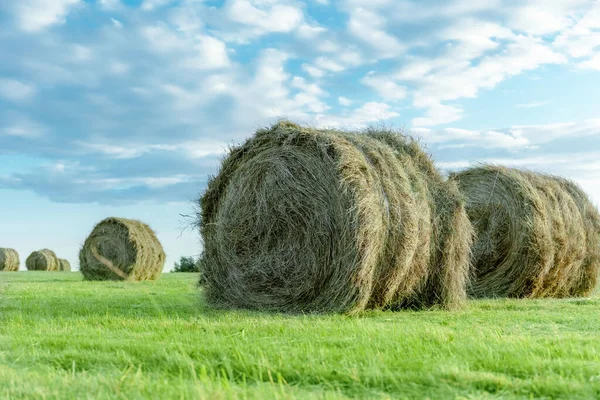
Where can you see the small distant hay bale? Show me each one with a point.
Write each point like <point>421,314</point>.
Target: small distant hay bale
<point>306,220</point>
<point>9,260</point>
<point>42,260</point>
<point>536,235</point>
<point>64,265</point>
<point>121,249</point>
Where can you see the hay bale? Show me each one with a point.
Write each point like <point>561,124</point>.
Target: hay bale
<point>64,265</point>
<point>121,249</point>
<point>9,260</point>
<point>42,260</point>
<point>536,235</point>
<point>305,220</point>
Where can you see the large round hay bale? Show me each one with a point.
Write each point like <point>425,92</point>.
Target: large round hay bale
<point>64,265</point>
<point>9,260</point>
<point>305,220</point>
<point>121,249</point>
<point>42,260</point>
<point>536,235</point>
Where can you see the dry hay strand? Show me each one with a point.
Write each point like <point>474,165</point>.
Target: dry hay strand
<point>306,220</point>
<point>64,265</point>
<point>121,249</point>
<point>9,260</point>
<point>536,235</point>
<point>42,260</point>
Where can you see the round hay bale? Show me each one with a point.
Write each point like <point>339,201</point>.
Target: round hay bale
<point>305,220</point>
<point>536,235</point>
<point>9,260</point>
<point>121,249</point>
<point>64,265</point>
<point>42,260</point>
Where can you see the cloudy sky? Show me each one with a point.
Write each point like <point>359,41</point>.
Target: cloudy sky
<point>124,107</point>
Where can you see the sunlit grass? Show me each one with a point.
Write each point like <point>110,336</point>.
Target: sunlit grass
<point>61,337</point>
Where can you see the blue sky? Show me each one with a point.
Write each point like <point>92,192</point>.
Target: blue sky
<point>124,108</point>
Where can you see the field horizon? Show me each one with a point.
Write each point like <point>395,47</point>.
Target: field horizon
<point>63,337</point>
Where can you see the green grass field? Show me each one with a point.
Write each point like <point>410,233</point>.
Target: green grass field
<point>63,338</point>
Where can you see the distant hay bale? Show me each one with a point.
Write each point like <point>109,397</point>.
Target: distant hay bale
<point>536,235</point>
<point>9,260</point>
<point>42,260</point>
<point>64,265</point>
<point>305,220</point>
<point>121,249</point>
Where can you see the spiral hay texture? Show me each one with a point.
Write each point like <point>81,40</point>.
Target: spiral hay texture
<point>9,260</point>
<point>64,265</point>
<point>304,220</point>
<point>42,260</point>
<point>121,249</point>
<point>536,235</point>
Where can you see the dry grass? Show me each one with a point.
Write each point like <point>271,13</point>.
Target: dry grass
<point>121,249</point>
<point>42,260</point>
<point>306,220</point>
<point>64,265</point>
<point>537,235</point>
<point>9,260</point>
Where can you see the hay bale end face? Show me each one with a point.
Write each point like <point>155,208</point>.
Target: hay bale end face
<point>305,220</point>
<point>9,260</point>
<point>64,265</point>
<point>121,249</point>
<point>42,260</point>
<point>536,235</point>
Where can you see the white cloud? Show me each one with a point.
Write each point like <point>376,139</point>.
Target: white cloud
<point>384,86</point>
<point>116,23</point>
<point>149,5</point>
<point>369,27</point>
<point>445,79</point>
<point>313,71</point>
<point>196,52</point>
<point>514,138</point>
<point>583,38</point>
<point>438,114</point>
<point>203,148</point>
<point>547,20</point>
<point>311,88</point>
<point>467,138</point>
<point>540,134</point>
<point>415,11</point>
<point>327,64</point>
<point>123,152</point>
<point>16,91</point>
<point>210,53</point>
<point>163,39</point>
<point>110,5</point>
<point>344,101</point>
<point>80,53</point>
<point>592,63</point>
<point>533,104</point>
<point>24,127</point>
<point>266,16</point>
<point>464,81</point>
<point>306,31</point>
<point>37,15</point>
<point>119,68</point>
<point>368,113</point>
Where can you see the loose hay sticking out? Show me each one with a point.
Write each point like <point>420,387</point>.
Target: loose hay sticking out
<point>9,260</point>
<point>121,249</point>
<point>537,235</point>
<point>64,265</point>
<point>306,220</point>
<point>42,260</point>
